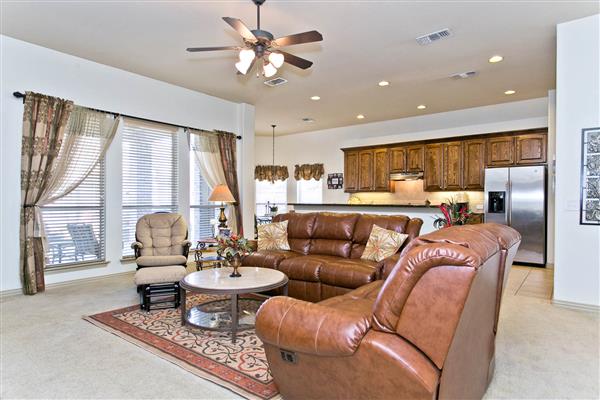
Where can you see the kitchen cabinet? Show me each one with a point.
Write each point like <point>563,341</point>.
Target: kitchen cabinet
<point>530,149</point>
<point>381,174</point>
<point>500,151</point>
<point>433,175</point>
<point>452,172</point>
<point>351,171</point>
<point>397,159</point>
<point>450,164</point>
<point>473,164</point>
<point>365,171</point>
<point>414,158</point>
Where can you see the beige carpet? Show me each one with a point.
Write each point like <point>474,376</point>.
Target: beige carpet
<point>48,351</point>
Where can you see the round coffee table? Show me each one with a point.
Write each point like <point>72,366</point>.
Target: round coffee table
<point>210,315</point>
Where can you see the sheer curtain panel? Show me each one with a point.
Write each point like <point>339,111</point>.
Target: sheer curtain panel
<point>205,147</point>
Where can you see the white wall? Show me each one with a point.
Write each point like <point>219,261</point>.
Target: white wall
<point>577,256</point>
<point>29,67</point>
<point>324,146</point>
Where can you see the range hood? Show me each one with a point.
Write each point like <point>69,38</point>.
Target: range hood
<point>406,176</point>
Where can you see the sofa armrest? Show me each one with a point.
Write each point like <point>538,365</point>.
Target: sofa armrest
<point>388,265</point>
<point>186,247</point>
<point>137,246</point>
<point>305,327</point>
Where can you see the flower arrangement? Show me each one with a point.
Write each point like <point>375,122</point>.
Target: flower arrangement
<point>454,214</point>
<point>232,248</point>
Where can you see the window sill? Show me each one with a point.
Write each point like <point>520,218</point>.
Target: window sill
<point>127,260</point>
<point>76,266</point>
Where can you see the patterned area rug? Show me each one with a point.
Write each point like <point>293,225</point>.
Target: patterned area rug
<point>241,366</point>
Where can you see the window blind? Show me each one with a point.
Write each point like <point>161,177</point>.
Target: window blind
<point>74,224</point>
<point>274,194</point>
<point>202,213</point>
<point>149,174</point>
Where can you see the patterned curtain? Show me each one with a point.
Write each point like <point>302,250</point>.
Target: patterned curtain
<point>271,173</point>
<point>227,145</point>
<point>308,172</point>
<point>44,123</point>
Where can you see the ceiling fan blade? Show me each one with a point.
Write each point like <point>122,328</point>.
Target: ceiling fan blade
<point>298,38</point>
<point>295,60</point>
<point>240,27</point>
<point>195,49</point>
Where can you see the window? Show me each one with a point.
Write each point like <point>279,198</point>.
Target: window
<point>202,213</point>
<point>272,193</point>
<point>310,191</point>
<point>149,174</point>
<point>74,224</point>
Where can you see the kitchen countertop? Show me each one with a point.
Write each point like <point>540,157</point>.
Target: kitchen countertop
<point>416,205</point>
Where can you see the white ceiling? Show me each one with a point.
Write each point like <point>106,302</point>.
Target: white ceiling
<point>364,42</point>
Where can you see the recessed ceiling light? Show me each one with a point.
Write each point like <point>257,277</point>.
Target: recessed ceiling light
<point>383,83</point>
<point>496,59</point>
<point>315,98</point>
<point>308,119</point>
<point>510,92</point>
<point>422,107</point>
<point>360,116</point>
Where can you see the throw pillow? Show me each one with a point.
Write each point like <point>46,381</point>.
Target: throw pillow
<point>382,244</point>
<point>273,236</point>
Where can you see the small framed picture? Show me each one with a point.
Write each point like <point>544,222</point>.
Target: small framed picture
<point>335,181</point>
<point>225,232</point>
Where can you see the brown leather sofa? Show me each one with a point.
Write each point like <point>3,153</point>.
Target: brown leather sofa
<point>426,332</point>
<point>324,260</point>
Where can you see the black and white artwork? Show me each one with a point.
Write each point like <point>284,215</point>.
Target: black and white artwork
<point>335,181</point>
<point>590,177</point>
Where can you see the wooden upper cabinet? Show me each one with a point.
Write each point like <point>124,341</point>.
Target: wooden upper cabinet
<point>414,158</point>
<point>351,171</point>
<point>452,165</point>
<point>531,149</point>
<point>365,170</point>
<point>397,159</point>
<point>433,175</point>
<point>381,175</point>
<point>500,151</point>
<point>473,164</point>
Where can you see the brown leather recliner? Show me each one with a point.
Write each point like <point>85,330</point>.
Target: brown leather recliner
<point>425,332</point>
<point>324,260</point>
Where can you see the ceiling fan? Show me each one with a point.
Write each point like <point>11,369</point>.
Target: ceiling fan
<point>260,45</point>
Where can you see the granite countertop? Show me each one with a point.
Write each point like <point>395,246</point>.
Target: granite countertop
<point>416,205</point>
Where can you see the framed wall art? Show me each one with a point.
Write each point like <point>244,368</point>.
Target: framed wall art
<point>335,181</point>
<point>590,177</point>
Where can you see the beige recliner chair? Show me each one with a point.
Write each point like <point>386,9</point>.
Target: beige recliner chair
<point>161,250</point>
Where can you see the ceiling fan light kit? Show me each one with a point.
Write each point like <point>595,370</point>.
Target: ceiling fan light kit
<point>261,45</point>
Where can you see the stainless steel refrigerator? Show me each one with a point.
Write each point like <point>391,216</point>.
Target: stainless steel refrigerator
<point>516,196</point>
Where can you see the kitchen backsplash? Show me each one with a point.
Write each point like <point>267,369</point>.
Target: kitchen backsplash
<point>412,192</point>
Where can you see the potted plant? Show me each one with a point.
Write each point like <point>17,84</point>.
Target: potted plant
<point>454,213</point>
<point>232,248</point>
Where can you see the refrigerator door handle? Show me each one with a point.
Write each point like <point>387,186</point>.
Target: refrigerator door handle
<point>509,203</point>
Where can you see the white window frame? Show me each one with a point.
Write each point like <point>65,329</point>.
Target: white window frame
<point>305,187</point>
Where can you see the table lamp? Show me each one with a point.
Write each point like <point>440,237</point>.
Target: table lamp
<point>223,194</point>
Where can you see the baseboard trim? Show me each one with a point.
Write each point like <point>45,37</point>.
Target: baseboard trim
<point>50,286</point>
<point>576,306</point>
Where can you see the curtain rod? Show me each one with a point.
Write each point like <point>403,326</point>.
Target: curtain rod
<point>20,95</point>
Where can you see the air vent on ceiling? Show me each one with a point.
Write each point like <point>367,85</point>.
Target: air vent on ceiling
<point>434,36</point>
<point>275,82</point>
<point>464,75</point>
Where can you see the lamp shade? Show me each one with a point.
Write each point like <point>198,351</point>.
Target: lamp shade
<point>221,193</point>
